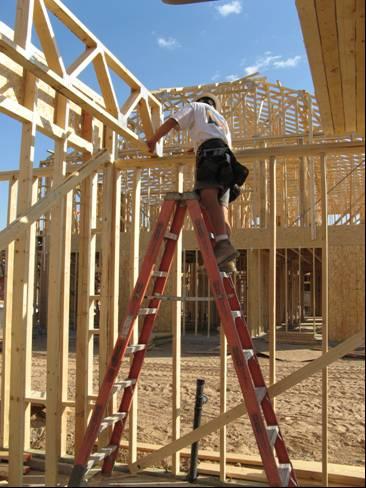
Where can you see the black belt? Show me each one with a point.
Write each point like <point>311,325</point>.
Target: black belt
<point>212,151</point>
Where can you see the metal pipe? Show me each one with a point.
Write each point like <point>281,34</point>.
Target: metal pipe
<point>201,399</point>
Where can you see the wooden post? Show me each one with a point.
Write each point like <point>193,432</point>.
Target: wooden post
<point>134,272</point>
<point>196,277</point>
<point>325,331</point>
<point>300,288</point>
<point>184,291</point>
<point>86,289</point>
<point>110,254</point>
<point>208,310</point>
<point>24,251</point>
<point>58,309</point>
<point>286,290</point>
<point>177,340</point>
<point>223,400</point>
<point>313,291</point>
<point>272,271</point>
<point>7,331</point>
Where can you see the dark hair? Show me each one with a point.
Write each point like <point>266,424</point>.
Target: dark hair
<point>208,100</point>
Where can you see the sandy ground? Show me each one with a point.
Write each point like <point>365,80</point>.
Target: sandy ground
<point>299,409</point>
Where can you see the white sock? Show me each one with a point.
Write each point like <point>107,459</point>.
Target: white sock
<point>221,237</point>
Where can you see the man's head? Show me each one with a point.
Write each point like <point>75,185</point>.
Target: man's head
<point>209,99</point>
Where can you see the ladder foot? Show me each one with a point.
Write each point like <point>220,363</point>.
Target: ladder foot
<point>77,476</point>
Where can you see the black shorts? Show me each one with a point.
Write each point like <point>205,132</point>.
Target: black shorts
<point>213,168</point>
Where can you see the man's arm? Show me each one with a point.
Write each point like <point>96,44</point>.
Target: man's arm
<point>161,132</point>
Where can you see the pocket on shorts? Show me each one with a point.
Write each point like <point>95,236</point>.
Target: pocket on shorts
<point>207,170</point>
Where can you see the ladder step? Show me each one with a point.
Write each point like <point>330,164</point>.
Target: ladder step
<point>236,313</point>
<point>170,235</point>
<point>285,472</point>
<point>97,457</point>
<point>147,311</point>
<point>172,298</point>
<point>160,274</point>
<point>135,348</point>
<point>121,385</point>
<point>248,353</point>
<point>116,417</point>
<point>260,393</point>
<point>272,432</point>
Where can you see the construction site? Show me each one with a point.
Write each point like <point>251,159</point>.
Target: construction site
<point>85,305</point>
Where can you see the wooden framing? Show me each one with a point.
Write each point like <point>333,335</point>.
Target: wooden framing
<point>101,201</point>
<point>334,35</point>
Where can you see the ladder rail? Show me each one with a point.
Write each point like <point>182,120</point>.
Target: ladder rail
<point>120,347</point>
<point>240,364</point>
<point>257,375</point>
<point>146,330</point>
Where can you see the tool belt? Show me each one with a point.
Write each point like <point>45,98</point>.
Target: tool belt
<point>215,160</point>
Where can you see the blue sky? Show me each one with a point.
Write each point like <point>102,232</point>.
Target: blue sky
<point>167,45</point>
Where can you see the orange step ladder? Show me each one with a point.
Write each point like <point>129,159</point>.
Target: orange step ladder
<point>271,445</point>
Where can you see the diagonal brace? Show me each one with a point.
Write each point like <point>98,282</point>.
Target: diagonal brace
<point>280,387</point>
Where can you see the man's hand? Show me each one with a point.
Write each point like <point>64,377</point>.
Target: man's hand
<point>161,132</point>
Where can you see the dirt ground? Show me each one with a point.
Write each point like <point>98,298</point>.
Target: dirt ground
<point>298,409</point>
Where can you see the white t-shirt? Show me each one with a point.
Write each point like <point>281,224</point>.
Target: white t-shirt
<point>203,122</point>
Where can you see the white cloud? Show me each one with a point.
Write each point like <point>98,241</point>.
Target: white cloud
<point>233,7</point>
<point>287,63</point>
<point>232,77</point>
<point>168,43</point>
<point>269,61</point>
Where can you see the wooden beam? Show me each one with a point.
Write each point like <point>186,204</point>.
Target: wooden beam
<point>280,387</point>
<point>23,22</point>
<point>32,213</point>
<point>272,270</point>
<point>45,126</point>
<point>109,265</point>
<point>360,66</point>
<point>47,38</point>
<point>325,328</point>
<point>223,401</point>
<point>86,289</point>
<point>7,327</point>
<point>106,84</point>
<point>23,57</point>
<point>24,268</point>
<point>353,147</point>
<point>134,273</point>
<point>177,339</point>
<point>326,15</point>
<point>310,29</point>
<point>85,58</point>
<point>58,308</point>
<point>346,28</point>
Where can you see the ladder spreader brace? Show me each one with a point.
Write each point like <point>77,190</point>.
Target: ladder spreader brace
<point>271,445</point>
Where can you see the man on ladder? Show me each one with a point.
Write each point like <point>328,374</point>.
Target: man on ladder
<point>212,181</point>
<point>216,179</point>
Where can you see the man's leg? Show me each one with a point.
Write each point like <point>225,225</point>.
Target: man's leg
<point>210,201</point>
<point>226,217</point>
<point>224,251</point>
